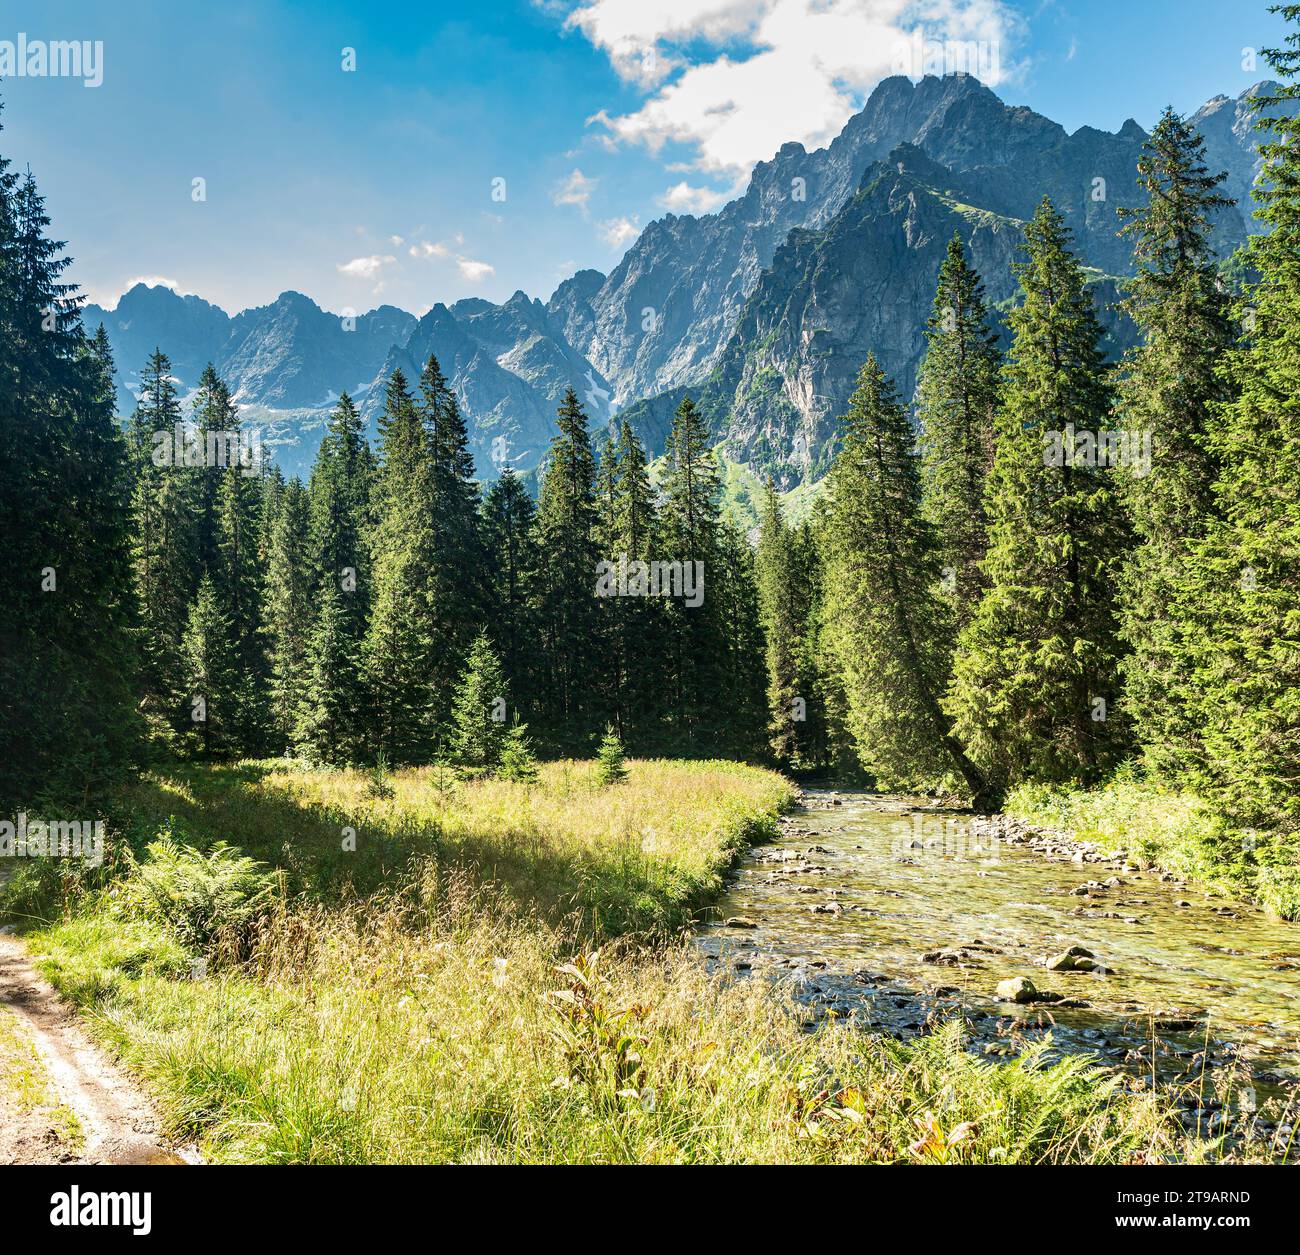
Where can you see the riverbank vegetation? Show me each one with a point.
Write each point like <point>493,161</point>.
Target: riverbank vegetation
<point>460,986</point>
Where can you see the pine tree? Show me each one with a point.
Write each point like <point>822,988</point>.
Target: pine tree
<point>165,551</point>
<point>957,398</point>
<point>68,726</point>
<point>331,722</point>
<point>512,563</point>
<point>690,519</point>
<point>890,633</point>
<point>779,593</point>
<point>479,714</point>
<point>1171,386</point>
<point>1237,604</point>
<point>568,608</point>
<point>402,654</point>
<point>455,590</point>
<point>611,761</point>
<point>211,675</point>
<point>1034,690</point>
<point>288,613</point>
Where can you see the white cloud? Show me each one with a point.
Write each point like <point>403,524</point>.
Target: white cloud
<point>474,271</point>
<point>153,281</point>
<point>366,267</point>
<point>682,198</point>
<point>426,249</point>
<point>576,189</point>
<point>619,232</point>
<point>745,76</point>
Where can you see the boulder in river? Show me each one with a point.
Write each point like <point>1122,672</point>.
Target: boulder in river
<point>1017,989</point>
<point>1075,959</point>
<point>740,921</point>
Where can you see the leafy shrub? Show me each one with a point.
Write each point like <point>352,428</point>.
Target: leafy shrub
<point>205,900</point>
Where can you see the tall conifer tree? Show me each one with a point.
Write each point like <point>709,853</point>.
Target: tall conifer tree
<point>513,579</point>
<point>567,523</point>
<point>288,613</point>
<point>957,398</point>
<point>1239,603</point>
<point>1035,684</point>
<point>1171,386</point>
<point>402,654</point>
<point>890,632</point>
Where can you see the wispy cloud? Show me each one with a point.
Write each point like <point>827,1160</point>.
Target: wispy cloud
<point>368,268</point>
<point>618,233</point>
<point>575,189</point>
<point>474,271</point>
<point>682,198</point>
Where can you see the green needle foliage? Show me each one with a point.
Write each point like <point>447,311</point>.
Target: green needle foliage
<point>889,630</point>
<point>1170,388</point>
<point>479,714</point>
<point>1240,600</point>
<point>611,761</point>
<point>1034,693</point>
<point>957,401</point>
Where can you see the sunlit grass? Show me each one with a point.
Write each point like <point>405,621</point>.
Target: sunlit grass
<point>415,1032</point>
<point>431,994</point>
<point>1175,830</point>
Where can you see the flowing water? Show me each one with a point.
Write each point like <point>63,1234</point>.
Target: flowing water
<point>860,888</point>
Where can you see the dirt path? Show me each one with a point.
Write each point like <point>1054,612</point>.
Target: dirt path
<point>66,1073</point>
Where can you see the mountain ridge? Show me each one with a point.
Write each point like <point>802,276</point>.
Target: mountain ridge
<point>703,302</point>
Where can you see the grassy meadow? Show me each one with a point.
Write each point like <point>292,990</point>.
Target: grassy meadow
<point>497,972</point>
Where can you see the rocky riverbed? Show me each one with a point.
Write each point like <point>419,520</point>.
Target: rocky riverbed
<point>897,914</point>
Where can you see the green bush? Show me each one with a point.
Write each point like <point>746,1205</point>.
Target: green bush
<point>206,900</point>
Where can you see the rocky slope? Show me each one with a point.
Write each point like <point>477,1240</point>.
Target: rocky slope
<point>766,308</point>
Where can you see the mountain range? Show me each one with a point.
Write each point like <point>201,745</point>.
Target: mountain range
<point>763,310</point>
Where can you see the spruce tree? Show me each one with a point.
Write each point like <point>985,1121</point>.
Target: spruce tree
<point>1237,604</point>
<point>632,627</point>
<point>239,584</point>
<point>890,633</point>
<point>1035,683</point>
<point>211,677</point>
<point>331,726</point>
<point>479,714</point>
<point>165,548</point>
<point>213,414</point>
<point>518,758</point>
<point>455,587</point>
<point>1171,386</point>
<point>690,518</point>
<point>740,723</point>
<point>68,725</point>
<point>569,553</point>
<point>401,652</point>
<point>779,598</point>
<point>512,561</point>
<point>611,761</point>
<point>332,723</point>
<point>288,614</point>
<point>957,398</point>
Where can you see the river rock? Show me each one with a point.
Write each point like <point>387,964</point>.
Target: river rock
<point>1075,959</point>
<point>740,921</point>
<point>1017,989</point>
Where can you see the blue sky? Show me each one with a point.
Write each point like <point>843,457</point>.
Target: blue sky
<point>376,185</point>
